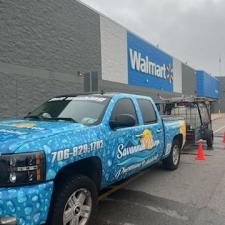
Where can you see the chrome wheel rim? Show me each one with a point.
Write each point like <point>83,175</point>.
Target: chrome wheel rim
<point>78,208</point>
<point>176,153</point>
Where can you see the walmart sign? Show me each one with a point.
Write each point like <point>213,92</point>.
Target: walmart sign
<point>148,66</point>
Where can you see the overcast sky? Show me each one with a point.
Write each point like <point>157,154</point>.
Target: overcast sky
<point>190,30</point>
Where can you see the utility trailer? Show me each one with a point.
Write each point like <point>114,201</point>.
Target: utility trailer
<point>196,112</point>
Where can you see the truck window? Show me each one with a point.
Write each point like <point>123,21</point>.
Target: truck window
<point>147,110</point>
<point>124,106</point>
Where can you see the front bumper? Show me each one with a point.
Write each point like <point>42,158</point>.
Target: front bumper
<point>29,205</point>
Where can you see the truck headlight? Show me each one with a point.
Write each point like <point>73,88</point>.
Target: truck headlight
<point>22,169</point>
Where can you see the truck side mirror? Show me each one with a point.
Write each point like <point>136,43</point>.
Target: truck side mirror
<point>122,120</point>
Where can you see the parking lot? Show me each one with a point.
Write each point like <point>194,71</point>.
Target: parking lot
<point>194,194</point>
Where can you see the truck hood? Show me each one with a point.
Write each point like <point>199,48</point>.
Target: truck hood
<point>14,133</point>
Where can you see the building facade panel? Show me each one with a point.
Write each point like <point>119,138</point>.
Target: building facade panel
<point>113,51</point>
<point>55,35</point>
<point>188,80</point>
<point>177,76</point>
<point>43,44</point>
<point>148,66</point>
<point>207,85</point>
<point>22,88</point>
<point>125,88</point>
<point>8,93</point>
<point>219,105</point>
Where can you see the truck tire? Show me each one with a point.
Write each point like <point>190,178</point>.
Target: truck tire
<point>74,202</point>
<point>173,160</point>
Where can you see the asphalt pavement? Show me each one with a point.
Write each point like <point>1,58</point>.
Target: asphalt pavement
<point>194,194</point>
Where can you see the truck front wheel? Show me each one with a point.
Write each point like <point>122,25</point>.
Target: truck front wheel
<point>173,160</point>
<point>74,202</point>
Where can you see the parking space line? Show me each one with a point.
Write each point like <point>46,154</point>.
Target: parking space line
<point>221,128</point>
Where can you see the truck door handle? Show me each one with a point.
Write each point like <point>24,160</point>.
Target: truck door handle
<point>159,130</point>
<point>139,135</point>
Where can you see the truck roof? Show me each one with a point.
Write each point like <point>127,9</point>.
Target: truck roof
<point>105,94</point>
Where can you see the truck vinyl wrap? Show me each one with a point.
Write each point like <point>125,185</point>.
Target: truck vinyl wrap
<point>120,152</point>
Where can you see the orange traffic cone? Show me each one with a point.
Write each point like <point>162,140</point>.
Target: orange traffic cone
<point>224,137</point>
<point>200,154</point>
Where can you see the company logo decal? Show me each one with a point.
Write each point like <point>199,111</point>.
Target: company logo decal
<point>23,125</point>
<point>146,143</point>
<point>147,139</point>
<point>135,166</point>
<point>145,65</point>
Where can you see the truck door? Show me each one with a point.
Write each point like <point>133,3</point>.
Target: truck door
<point>152,129</point>
<point>125,142</point>
<point>131,145</point>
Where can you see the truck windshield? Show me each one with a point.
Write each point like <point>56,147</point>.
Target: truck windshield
<point>87,110</point>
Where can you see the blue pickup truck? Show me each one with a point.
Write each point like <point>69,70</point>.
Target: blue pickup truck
<point>54,162</point>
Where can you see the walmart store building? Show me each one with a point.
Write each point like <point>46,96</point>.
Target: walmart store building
<point>43,45</point>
